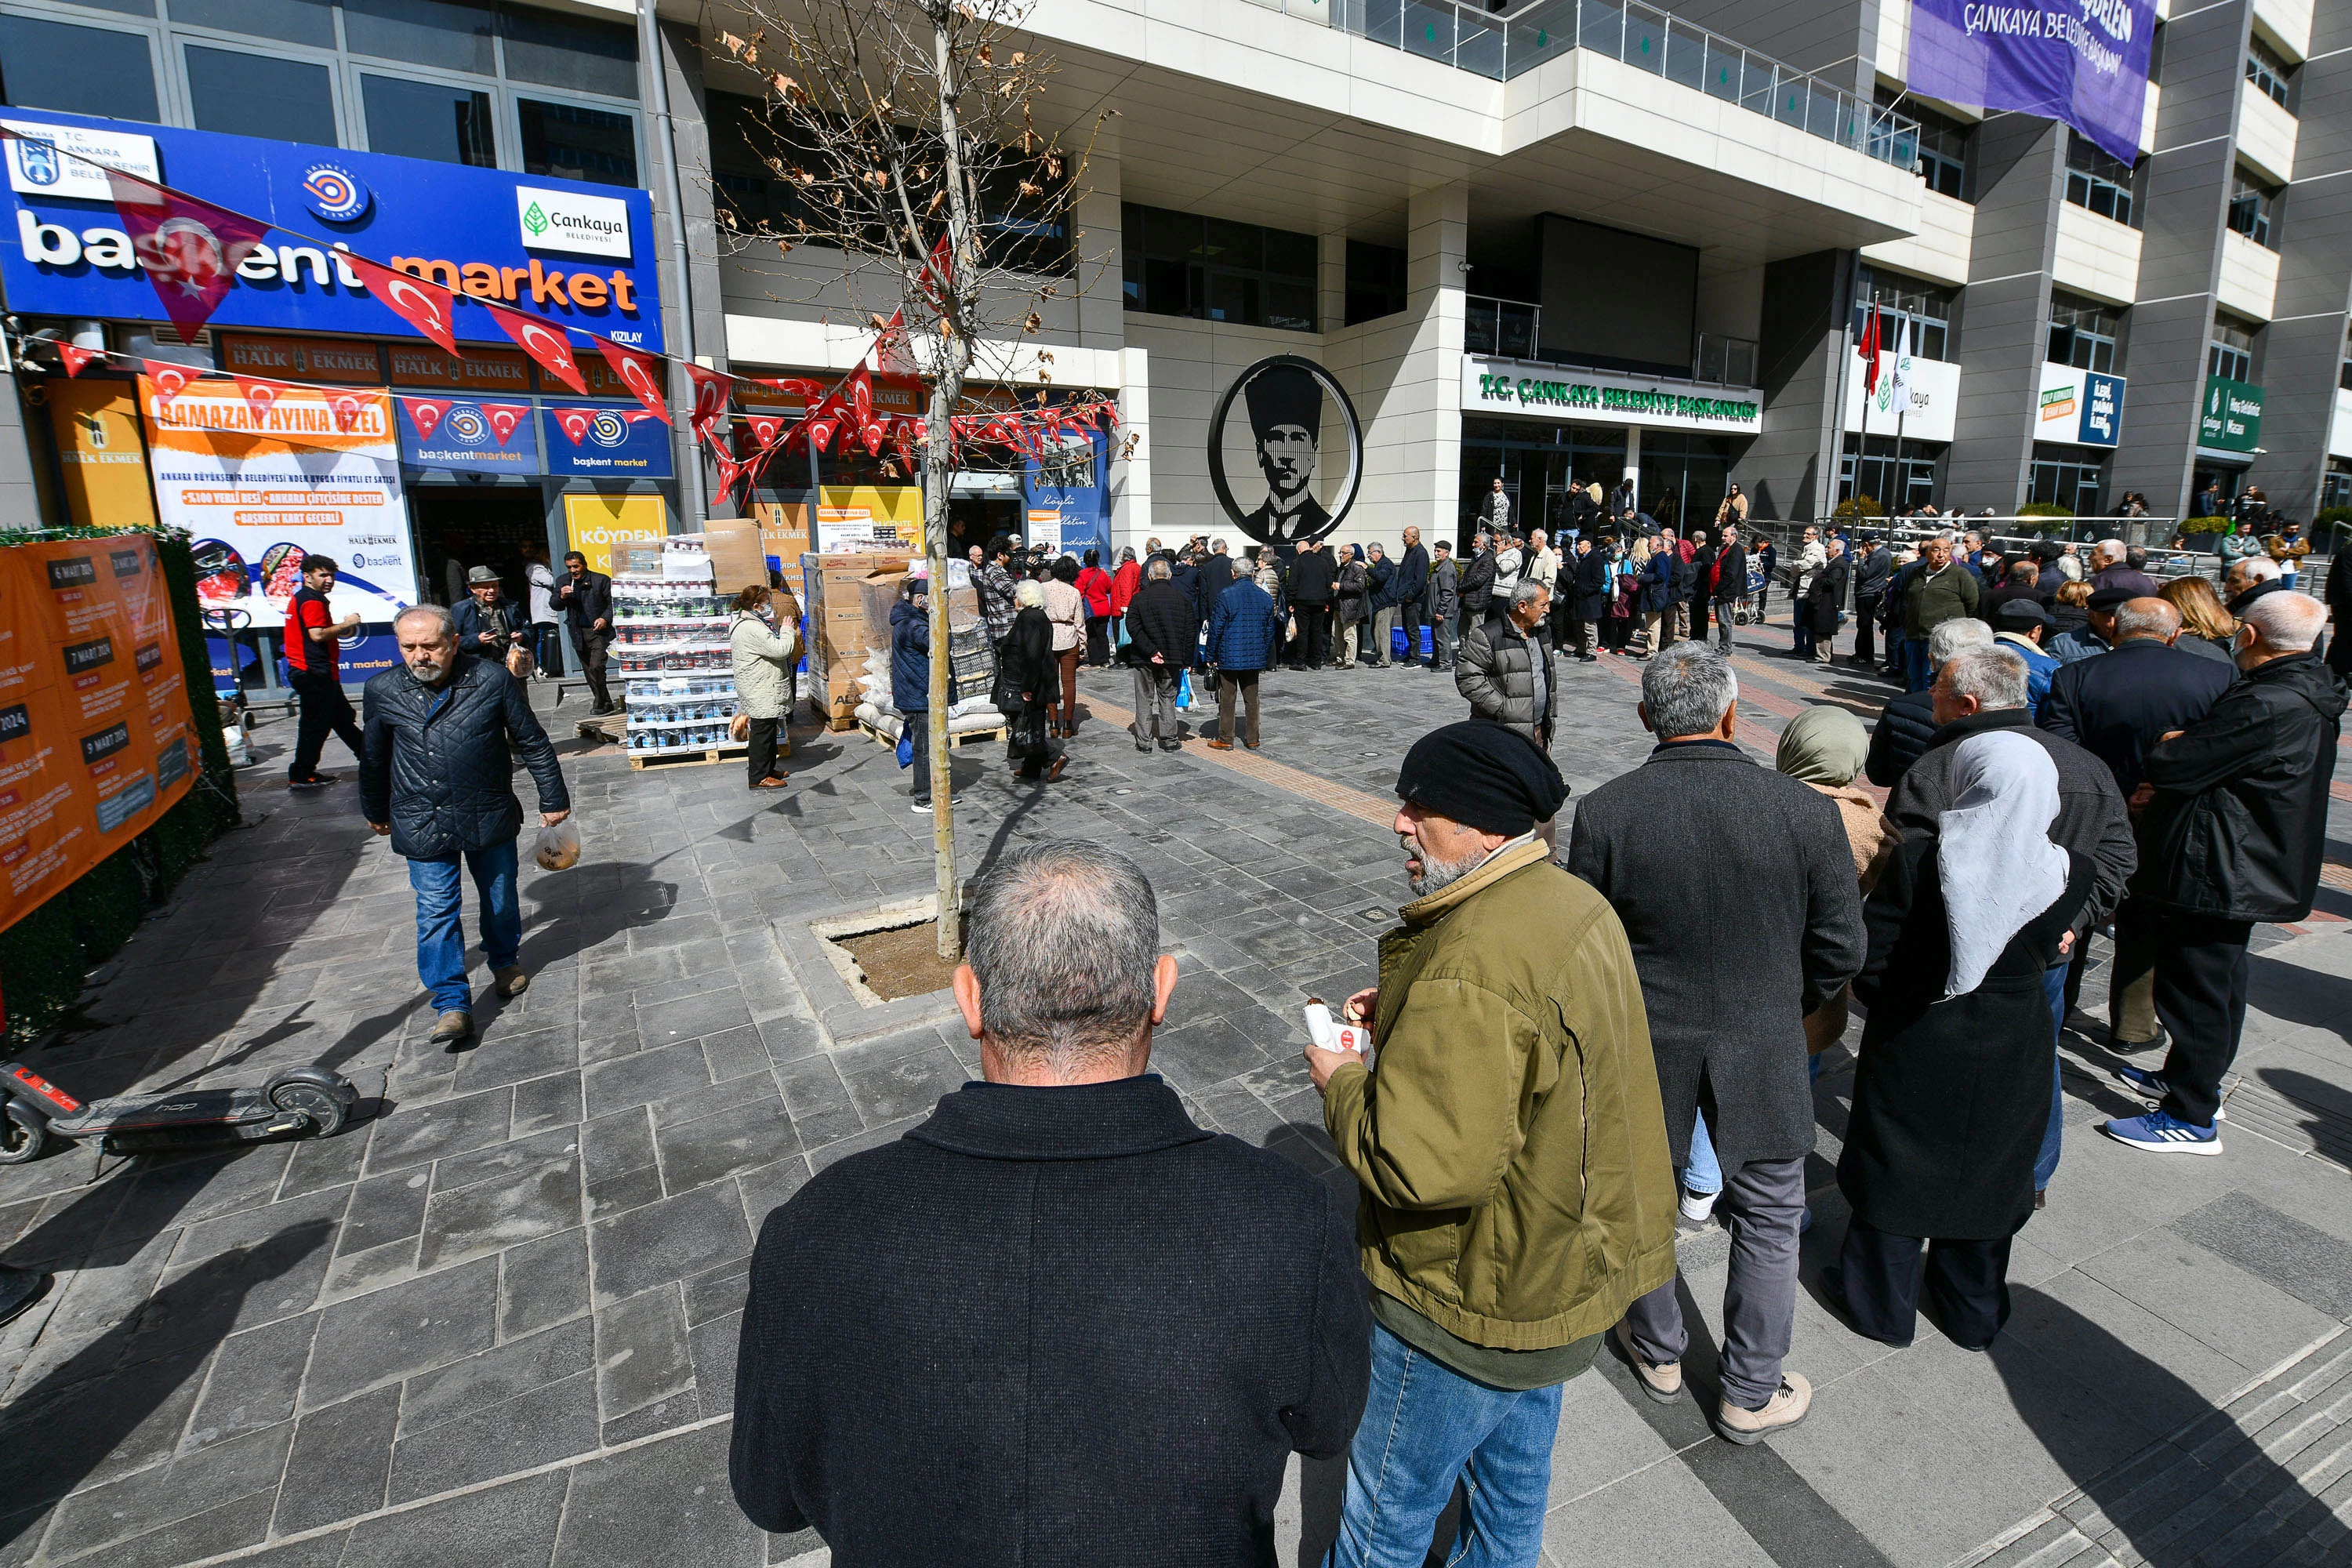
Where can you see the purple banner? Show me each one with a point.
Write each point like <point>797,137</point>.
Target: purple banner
<point>2081,61</point>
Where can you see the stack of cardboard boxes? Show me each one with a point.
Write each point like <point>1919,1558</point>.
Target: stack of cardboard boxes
<point>838,636</point>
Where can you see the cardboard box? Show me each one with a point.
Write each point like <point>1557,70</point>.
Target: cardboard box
<point>737,556</point>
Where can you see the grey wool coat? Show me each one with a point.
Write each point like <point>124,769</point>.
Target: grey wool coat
<point>1736,887</point>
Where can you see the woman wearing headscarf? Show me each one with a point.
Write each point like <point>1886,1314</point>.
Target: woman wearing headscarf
<point>1031,670</point>
<point>1350,598</point>
<point>1825,747</point>
<point>1950,1093</point>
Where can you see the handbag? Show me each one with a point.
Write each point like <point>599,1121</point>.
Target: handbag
<point>906,748</point>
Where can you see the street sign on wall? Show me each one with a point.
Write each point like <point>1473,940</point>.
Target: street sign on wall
<point>2083,407</point>
<point>2230,417</point>
<point>1606,397</point>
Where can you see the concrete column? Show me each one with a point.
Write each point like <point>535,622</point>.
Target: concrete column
<point>2004,325</point>
<point>23,494</point>
<point>1407,384</point>
<point>1331,282</point>
<point>1790,469</point>
<point>1101,240</point>
<point>1130,476</point>
<point>681,61</point>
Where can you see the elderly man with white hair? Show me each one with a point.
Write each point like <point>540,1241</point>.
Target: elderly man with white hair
<point>2249,578</point>
<point>2112,568</point>
<point>2234,822</point>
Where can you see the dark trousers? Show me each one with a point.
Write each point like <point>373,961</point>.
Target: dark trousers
<point>547,647</point>
<point>1698,618</point>
<point>763,756</point>
<point>1068,660</point>
<point>325,711</point>
<point>1408,618</point>
<point>1968,1285</point>
<point>1579,636</point>
<point>1866,627</point>
<point>1560,620</point>
<point>2201,998</point>
<point>1228,683</point>
<point>590,646</point>
<point>918,727</point>
<point>1314,634</point>
<point>1468,621</point>
<point>1801,623</point>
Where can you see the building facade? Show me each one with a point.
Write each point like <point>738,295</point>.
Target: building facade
<point>1572,244</point>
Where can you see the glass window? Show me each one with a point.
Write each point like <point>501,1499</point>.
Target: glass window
<point>126,7</point>
<point>76,70</point>
<point>1945,145</point>
<point>2230,351</point>
<point>426,120</point>
<point>261,95</point>
<point>1869,467</point>
<point>1928,308</point>
<point>2096,181</point>
<point>565,51</point>
<point>446,34</point>
<point>1024,232</point>
<point>1178,264</point>
<point>309,22</point>
<point>2083,335</point>
<point>575,143</point>
<point>2267,71</point>
<point>1376,284</point>
<point>2071,476</point>
<point>2251,206</point>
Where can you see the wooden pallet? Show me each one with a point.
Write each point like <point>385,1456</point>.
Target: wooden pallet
<point>700,758</point>
<point>610,727</point>
<point>882,738</point>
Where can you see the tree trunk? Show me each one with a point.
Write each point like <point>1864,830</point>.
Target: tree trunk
<point>947,388</point>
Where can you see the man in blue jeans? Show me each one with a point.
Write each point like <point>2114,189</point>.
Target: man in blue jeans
<point>436,775</point>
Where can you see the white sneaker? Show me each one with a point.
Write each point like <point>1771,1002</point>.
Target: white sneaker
<point>1699,1207</point>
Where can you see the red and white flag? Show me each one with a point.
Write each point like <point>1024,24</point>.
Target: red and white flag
<point>764,427</point>
<point>711,390</point>
<point>427,414</point>
<point>542,341</point>
<point>75,359</point>
<point>347,408</point>
<point>261,397</point>
<point>169,379</point>
<point>1868,351</point>
<point>427,307</point>
<point>189,249</point>
<point>893,355</point>
<point>574,423</point>
<point>641,372</point>
<point>505,418</point>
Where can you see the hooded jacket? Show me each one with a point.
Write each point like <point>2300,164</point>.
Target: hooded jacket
<point>1509,1145</point>
<point>911,657</point>
<point>436,766</point>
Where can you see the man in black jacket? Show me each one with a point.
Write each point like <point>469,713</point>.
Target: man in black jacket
<point>1871,570</point>
<point>1478,583</point>
<point>437,777</point>
<point>587,600</point>
<point>1057,1324</point>
<point>1399,604</point>
<point>1730,582</point>
<point>1313,580</point>
<point>1589,594</point>
<point>1907,723</point>
<point>1161,638</point>
<point>2233,826</point>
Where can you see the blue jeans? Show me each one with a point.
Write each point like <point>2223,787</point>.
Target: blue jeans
<point>440,929</point>
<point>2046,1165</point>
<point>1425,1424</point>
<point>1916,676</point>
<point>1702,1174</point>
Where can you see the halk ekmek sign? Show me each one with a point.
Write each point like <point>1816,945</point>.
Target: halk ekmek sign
<point>2083,63</point>
<point>583,255</point>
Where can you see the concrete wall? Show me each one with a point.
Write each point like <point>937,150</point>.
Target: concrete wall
<point>1790,469</point>
<point>2005,323</point>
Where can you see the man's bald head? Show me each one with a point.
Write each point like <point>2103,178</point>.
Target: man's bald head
<point>2147,618</point>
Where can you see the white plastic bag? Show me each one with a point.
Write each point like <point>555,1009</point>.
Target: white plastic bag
<point>557,849</point>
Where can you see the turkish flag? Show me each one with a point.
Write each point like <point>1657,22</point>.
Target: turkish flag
<point>1868,350</point>
<point>75,359</point>
<point>170,379</point>
<point>730,471</point>
<point>872,436</point>
<point>820,432</point>
<point>427,307</point>
<point>261,396</point>
<point>346,407</point>
<point>505,418</point>
<point>791,386</point>
<point>574,423</point>
<point>640,373</point>
<point>189,249</point>
<point>764,427</point>
<point>861,395</point>
<point>427,414</point>
<point>542,341</point>
<point>711,390</point>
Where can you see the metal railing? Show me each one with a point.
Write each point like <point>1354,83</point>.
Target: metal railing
<point>1513,328</point>
<point>1502,47</point>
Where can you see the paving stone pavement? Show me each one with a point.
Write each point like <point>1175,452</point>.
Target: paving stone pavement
<point>495,1321</point>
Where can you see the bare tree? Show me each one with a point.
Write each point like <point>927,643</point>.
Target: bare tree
<point>906,135</point>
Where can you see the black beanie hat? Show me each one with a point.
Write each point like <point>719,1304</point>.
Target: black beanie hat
<point>1483,777</point>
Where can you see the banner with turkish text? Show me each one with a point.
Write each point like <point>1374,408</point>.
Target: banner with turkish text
<point>2083,63</point>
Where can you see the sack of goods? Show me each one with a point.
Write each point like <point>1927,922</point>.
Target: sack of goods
<point>557,849</point>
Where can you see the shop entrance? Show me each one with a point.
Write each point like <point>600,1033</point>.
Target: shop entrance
<point>475,525</point>
<point>1538,463</point>
<point>975,519</point>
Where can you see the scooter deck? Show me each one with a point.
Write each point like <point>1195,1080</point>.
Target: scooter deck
<point>206,1108</point>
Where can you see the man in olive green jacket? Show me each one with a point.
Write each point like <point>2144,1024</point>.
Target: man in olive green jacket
<point>1507,1135</point>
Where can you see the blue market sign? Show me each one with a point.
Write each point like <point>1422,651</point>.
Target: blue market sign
<point>581,254</point>
<point>464,433</point>
<point>604,441</point>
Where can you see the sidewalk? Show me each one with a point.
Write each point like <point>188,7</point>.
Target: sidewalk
<point>496,1323</point>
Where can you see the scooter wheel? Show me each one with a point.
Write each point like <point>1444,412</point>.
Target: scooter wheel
<point>23,1135</point>
<point>325,1111</point>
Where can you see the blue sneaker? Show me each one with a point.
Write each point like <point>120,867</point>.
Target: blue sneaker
<point>2153,1087</point>
<point>2160,1134</point>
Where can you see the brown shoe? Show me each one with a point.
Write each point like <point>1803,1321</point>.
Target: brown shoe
<point>774,781</point>
<point>1783,1410</point>
<point>1662,1381</point>
<point>1221,745</point>
<point>1055,772</point>
<point>451,1028</point>
<point>513,981</point>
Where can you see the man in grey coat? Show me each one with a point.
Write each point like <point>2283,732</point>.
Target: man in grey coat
<point>1743,917</point>
<point>1443,604</point>
<point>1506,668</point>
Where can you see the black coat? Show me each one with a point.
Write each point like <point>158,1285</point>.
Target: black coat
<point>588,600</point>
<point>1410,581</point>
<point>1029,662</point>
<point>1731,577</point>
<point>2115,706</point>
<point>1161,620</point>
<point>1905,725</point>
<point>1216,577</point>
<point>1312,577</point>
<point>1825,596</point>
<point>1702,566</point>
<point>1950,1098</point>
<point>435,765</point>
<point>1737,890</point>
<point>1062,1328</point>
<point>2239,824</point>
<point>1478,580</point>
<point>1592,585</point>
<point>1871,570</point>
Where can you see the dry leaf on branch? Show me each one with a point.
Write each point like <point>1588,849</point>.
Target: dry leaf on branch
<point>987,56</point>
<point>731,42</point>
<point>933,205</point>
<point>1033,322</point>
<point>1029,190</point>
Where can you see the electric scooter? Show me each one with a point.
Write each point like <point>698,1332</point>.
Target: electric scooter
<point>297,1101</point>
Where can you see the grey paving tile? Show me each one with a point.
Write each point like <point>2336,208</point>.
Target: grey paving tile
<point>641,1352</point>
<point>542,1282</point>
<point>644,1077</point>
<point>515,1522</point>
<point>756,1132</point>
<point>496,1376</point>
<point>253,1382</point>
<point>664,1242</point>
<point>192,1484</point>
<point>418,1135</point>
<point>496,1213</point>
<point>909,1086</point>
<point>554,1421</point>
<point>655,1505</point>
<point>340,1460</point>
<point>403,1330</point>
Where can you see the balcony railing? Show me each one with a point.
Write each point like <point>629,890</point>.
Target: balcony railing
<point>1512,328</point>
<point>1500,47</point>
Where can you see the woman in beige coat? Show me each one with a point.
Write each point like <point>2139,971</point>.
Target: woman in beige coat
<point>763,657</point>
<point>1825,747</point>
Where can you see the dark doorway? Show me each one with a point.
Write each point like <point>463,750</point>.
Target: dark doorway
<point>484,526</point>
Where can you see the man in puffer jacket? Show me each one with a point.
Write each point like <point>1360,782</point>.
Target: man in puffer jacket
<point>1505,668</point>
<point>436,775</point>
<point>1244,634</point>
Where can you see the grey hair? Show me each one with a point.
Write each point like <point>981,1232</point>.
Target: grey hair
<point>1687,689</point>
<point>1955,635</point>
<point>2287,622</point>
<point>1994,676</point>
<point>1063,938</point>
<point>1157,571</point>
<point>445,623</point>
<point>2109,549</point>
<point>2260,568</point>
<point>2146,618</point>
<point>1524,593</point>
<point>1028,591</point>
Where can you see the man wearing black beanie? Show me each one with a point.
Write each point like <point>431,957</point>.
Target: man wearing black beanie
<point>1509,1148</point>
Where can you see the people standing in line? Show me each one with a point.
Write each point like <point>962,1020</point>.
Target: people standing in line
<point>2019,627</point>
<point>1244,635</point>
<point>1123,584</point>
<point>1704,552</point>
<point>587,600</point>
<point>1824,599</point>
<point>2082,632</point>
<point>1811,556</point>
<point>1032,667</point>
<point>1948,1116</point>
<point>1902,568</point>
<point>313,646</point>
<point>1940,590</point>
<point>490,625</point>
<point>538,580</point>
<point>1160,637</point>
<point>1824,748</point>
<point>1051,1362</point>
<point>1217,574</point>
<point>1542,563</point>
<point>1351,596</point>
<point>1402,609</point>
<point>2023,581</point>
<point>2207,627</point>
<point>1657,583</point>
<point>1980,690</point>
<point>910,679</point>
<point>2233,818</point>
<point>1871,570</point>
<point>1445,606</point>
<point>1507,675</point>
<point>1729,1038</point>
<point>1312,583</point>
<point>1593,587</point>
<point>1478,583</point>
<point>1505,1223</point>
<point>1617,617</point>
<point>995,586</point>
<point>436,775</point>
<point>1730,582</point>
<point>763,654</point>
<point>1379,632</point>
<point>2248,579</point>
<point>1066,607</point>
<point>1095,584</point>
<point>1907,723</point>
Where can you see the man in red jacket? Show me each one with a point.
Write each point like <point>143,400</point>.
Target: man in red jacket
<point>313,638</point>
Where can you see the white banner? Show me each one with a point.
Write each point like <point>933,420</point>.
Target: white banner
<point>260,489</point>
<point>1608,397</point>
<point>1926,416</point>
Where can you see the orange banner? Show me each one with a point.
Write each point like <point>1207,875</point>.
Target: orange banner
<point>96,740</point>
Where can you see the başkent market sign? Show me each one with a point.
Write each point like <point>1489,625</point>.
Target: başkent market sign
<point>1509,386</point>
